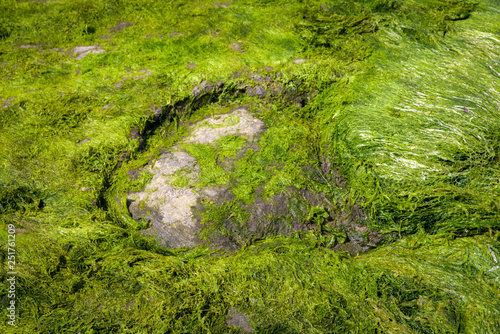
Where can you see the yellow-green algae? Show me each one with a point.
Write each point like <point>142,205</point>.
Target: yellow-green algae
<point>403,96</point>
<point>421,138</point>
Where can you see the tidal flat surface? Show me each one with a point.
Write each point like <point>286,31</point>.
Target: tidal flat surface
<point>250,166</point>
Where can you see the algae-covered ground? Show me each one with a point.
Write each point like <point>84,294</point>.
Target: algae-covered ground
<point>250,166</point>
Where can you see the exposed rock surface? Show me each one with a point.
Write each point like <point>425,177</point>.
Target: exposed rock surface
<point>82,51</point>
<point>8,102</point>
<point>144,73</point>
<point>120,26</point>
<point>238,319</point>
<point>257,91</point>
<point>237,47</point>
<point>238,122</point>
<point>167,207</point>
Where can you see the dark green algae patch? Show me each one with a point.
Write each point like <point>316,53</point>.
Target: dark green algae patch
<point>387,110</point>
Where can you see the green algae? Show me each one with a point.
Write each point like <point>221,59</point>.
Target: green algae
<point>212,173</point>
<point>421,284</point>
<point>417,142</point>
<point>401,95</point>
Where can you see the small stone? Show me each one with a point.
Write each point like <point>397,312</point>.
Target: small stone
<point>82,51</point>
<point>222,5</point>
<point>134,134</point>
<point>84,141</point>
<point>107,106</point>
<point>258,78</point>
<point>8,103</point>
<point>257,91</point>
<point>299,60</point>
<point>203,87</point>
<point>196,91</point>
<point>120,26</point>
<point>119,84</point>
<point>146,74</point>
<point>156,110</point>
<point>237,47</point>
<point>191,66</point>
<point>238,319</point>
<point>28,46</point>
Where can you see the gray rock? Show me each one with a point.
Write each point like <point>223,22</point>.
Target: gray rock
<point>120,83</point>
<point>238,319</point>
<point>134,134</point>
<point>203,87</point>
<point>168,208</point>
<point>222,5</point>
<point>146,74</point>
<point>299,60</point>
<point>83,141</point>
<point>258,78</point>
<point>238,122</point>
<point>82,51</point>
<point>108,106</point>
<point>28,46</point>
<point>8,102</point>
<point>237,47</point>
<point>120,26</point>
<point>157,111</point>
<point>257,91</point>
